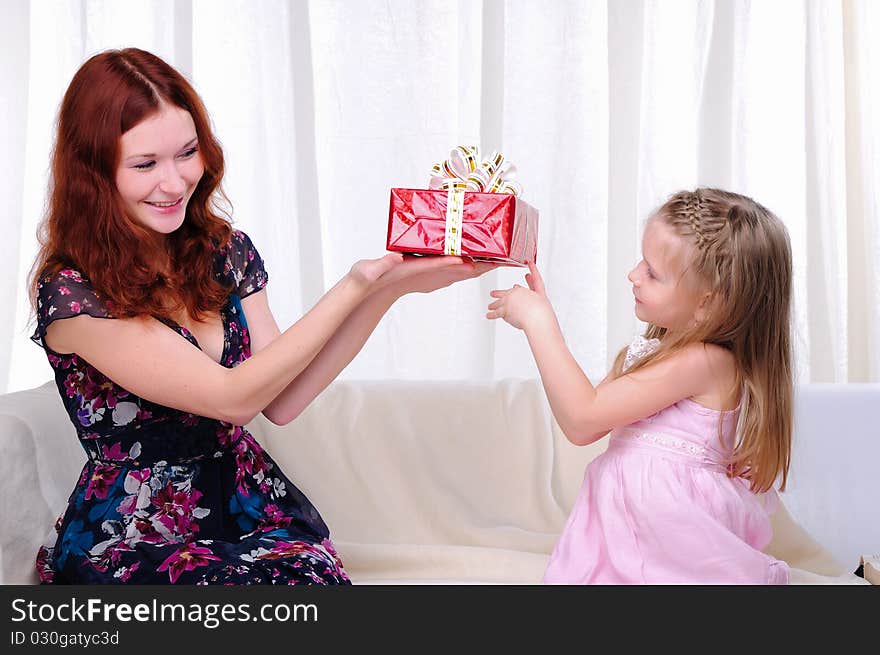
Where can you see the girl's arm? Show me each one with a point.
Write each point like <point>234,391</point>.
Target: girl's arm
<point>416,274</point>
<point>585,412</point>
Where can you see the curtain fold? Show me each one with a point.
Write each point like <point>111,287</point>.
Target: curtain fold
<point>862,98</point>
<point>605,107</point>
<point>14,67</point>
<point>826,188</point>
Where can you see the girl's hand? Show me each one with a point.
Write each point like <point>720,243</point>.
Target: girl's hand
<point>522,307</point>
<point>416,274</point>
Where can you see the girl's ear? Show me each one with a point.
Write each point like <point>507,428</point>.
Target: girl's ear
<point>704,307</point>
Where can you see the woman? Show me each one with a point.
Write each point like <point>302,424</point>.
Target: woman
<point>175,490</point>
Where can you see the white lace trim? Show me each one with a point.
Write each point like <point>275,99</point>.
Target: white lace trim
<point>693,453</point>
<point>638,348</point>
<point>665,441</point>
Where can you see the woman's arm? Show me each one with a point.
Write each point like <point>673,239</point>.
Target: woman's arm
<point>423,274</point>
<point>154,362</point>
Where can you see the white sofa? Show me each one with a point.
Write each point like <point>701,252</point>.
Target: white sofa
<point>454,482</point>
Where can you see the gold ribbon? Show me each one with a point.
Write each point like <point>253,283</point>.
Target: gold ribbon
<point>454,207</point>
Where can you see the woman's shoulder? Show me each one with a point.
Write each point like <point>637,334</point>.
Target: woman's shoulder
<point>66,293</point>
<point>238,240</point>
<point>241,264</point>
<point>63,282</point>
<point>238,250</point>
<point>63,274</point>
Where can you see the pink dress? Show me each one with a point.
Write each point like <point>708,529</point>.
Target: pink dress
<point>658,508</point>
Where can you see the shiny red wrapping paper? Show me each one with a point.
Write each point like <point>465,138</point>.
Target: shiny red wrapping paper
<point>495,226</point>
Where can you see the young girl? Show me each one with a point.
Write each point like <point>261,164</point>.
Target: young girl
<point>175,490</point>
<point>699,409</point>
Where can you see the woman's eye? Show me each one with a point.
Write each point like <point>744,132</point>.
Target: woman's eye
<point>189,153</point>
<point>145,165</point>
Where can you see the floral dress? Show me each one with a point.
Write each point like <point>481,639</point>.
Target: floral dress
<point>167,496</point>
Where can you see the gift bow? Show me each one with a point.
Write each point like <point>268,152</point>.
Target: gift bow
<point>463,170</point>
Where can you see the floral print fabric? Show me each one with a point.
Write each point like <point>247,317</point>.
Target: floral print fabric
<point>167,496</point>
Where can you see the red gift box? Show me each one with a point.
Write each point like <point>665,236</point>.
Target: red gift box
<point>494,226</point>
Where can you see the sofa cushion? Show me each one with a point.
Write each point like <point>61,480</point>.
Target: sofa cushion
<point>439,482</point>
<point>433,463</point>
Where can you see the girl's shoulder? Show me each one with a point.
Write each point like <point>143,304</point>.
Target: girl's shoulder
<point>716,367</point>
<point>709,355</point>
<point>693,358</point>
<point>711,372</point>
<point>716,356</point>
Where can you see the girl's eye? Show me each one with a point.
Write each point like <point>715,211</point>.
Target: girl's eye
<point>145,165</point>
<point>189,153</point>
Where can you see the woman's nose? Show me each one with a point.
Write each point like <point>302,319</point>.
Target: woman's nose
<point>172,181</point>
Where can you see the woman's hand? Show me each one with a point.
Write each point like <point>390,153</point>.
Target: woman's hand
<point>414,274</point>
<point>522,307</point>
<point>366,272</point>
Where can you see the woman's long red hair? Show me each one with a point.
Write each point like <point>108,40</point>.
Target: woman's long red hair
<point>86,227</point>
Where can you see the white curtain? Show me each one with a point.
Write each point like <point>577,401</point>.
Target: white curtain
<point>605,106</point>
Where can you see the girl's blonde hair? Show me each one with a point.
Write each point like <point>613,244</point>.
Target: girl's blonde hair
<point>742,257</point>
